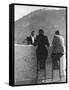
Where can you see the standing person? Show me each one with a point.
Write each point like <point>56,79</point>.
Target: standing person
<point>41,51</point>
<point>58,50</point>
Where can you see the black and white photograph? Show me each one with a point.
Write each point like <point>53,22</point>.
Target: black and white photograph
<point>40,44</point>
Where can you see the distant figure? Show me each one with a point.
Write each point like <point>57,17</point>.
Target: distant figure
<point>41,51</point>
<point>58,49</point>
<point>30,39</point>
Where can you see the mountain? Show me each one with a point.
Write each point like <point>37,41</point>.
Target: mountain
<point>48,20</point>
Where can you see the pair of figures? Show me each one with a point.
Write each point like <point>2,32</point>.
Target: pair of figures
<point>41,41</point>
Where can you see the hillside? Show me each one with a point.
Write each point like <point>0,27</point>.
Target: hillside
<point>48,20</point>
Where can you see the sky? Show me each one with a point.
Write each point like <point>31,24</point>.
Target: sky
<point>21,11</point>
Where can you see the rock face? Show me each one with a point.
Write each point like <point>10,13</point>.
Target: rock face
<point>48,20</point>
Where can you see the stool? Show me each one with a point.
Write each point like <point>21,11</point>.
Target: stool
<point>54,67</point>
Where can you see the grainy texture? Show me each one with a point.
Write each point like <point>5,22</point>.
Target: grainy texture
<point>25,65</point>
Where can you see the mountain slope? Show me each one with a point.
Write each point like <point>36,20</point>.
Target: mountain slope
<point>48,20</point>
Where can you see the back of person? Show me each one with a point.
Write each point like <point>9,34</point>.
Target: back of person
<point>42,41</point>
<point>30,39</point>
<point>58,44</point>
<point>58,49</point>
<point>41,50</point>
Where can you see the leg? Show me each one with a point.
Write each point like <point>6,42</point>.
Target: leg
<point>37,66</point>
<point>45,72</point>
<point>52,65</point>
<point>60,55</point>
<point>37,71</point>
<point>45,59</point>
<point>59,71</point>
<point>52,70</point>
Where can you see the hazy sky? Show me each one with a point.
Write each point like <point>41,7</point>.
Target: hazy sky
<point>21,11</point>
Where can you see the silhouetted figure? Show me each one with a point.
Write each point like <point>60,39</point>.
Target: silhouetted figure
<point>58,50</point>
<point>41,51</point>
<point>30,39</point>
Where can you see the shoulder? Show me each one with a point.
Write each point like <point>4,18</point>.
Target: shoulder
<point>28,37</point>
<point>59,37</point>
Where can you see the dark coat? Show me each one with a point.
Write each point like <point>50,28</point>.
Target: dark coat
<point>29,40</point>
<point>41,42</point>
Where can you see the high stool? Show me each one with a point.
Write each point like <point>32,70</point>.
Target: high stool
<point>54,67</point>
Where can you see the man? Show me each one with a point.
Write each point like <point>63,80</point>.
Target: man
<point>30,40</point>
<point>58,50</point>
<point>41,51</point>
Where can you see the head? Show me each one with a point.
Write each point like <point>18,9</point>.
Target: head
<point>32,33</point>
<point>57,32</point>
<point>41,32</point>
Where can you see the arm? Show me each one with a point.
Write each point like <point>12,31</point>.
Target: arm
<point>47,41</point>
